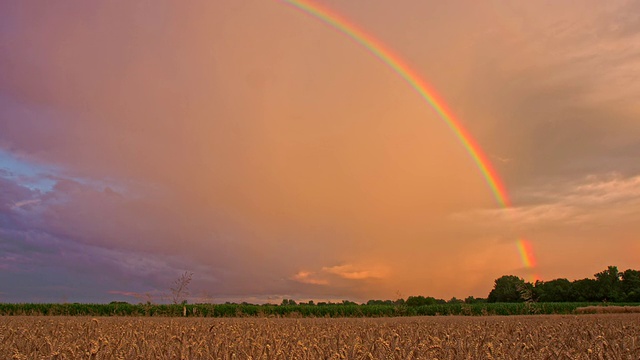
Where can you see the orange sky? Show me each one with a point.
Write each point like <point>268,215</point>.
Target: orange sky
<point>276,158</point>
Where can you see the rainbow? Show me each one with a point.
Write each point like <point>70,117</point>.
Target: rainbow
<point>427,93</point>
<point>526,255</point>
<point>395,62</point>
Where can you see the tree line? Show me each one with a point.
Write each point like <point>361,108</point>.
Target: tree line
<point>609,285</point>
<point>511,295</point>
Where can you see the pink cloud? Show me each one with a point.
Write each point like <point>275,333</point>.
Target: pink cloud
<point>350,272</point>
<point>307,277</point>
<point>22,203</point>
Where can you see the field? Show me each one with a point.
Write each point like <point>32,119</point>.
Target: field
<point>590,336</point>
<point>302,310</point>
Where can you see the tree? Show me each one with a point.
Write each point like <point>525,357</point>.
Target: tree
<point>631,285</point>
<point>558,290</point>
<point>586,290</point>
<point>507,288</point>
<point>609,284</point>
<point>180,288</point>
<point>420,301</point>
<point>286,302</point>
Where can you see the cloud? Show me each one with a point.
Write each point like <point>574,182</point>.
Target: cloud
<point>610,198</point>
<point>22,203</point>
<point>350,272</point>
<point>337,275</point>
<point>607,190</point>
<point>565,104</point>
<point>307,277</point>
<point>331,275</point>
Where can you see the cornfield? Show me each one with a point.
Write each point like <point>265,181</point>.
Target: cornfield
<point>591,336</point>
<point>301,310</point>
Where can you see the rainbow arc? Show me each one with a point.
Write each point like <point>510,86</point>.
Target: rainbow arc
<point>429,95</point>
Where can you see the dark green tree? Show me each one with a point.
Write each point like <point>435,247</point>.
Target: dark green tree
<point>586,290</point>
<point>507,289</point>
<point>630,285</point>
<point>609,284</point>
<point>286,302</point>
<point>558,290</point>
<point>420,300</point>
<point>381,302</point>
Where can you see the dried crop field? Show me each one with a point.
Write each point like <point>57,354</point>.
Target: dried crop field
<point>592,336</point>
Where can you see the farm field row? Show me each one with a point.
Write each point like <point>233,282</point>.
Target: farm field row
<point>302,310</point>
<point>590,336</point>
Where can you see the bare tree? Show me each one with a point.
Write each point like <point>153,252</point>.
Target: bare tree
<point>180,288</point>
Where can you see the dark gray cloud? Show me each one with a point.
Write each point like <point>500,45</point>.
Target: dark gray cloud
<point>562,104</point>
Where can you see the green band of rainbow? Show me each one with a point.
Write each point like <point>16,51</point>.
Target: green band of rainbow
<point>409,75</point>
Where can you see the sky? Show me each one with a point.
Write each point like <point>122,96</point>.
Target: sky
<point>265,151</point>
